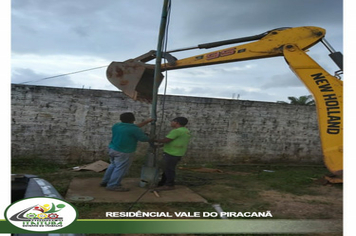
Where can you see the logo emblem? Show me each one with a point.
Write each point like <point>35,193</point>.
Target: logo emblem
<point>41,214</point>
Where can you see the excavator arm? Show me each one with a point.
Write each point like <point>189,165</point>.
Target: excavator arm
<point>328,94</point>
<point>135,78</point>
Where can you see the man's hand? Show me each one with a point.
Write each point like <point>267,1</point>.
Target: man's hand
<point>164,140</point>
<point>158,144</point>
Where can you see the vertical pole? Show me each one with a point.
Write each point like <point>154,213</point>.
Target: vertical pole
<point>157,72</point>
<point>150,171</point>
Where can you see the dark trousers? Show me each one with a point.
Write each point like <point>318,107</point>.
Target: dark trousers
<point>169,169</point>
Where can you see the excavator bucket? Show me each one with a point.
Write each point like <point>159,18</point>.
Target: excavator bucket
<point>133,78</point>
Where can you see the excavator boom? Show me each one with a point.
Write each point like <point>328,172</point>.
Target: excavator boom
<point>135,78</point>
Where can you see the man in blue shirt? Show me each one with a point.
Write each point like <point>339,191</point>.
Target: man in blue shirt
<point>125,136</point>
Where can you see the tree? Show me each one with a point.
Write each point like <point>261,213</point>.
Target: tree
<point>302,100</point>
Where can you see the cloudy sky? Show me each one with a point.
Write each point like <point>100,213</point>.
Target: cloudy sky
<point>51,38</point>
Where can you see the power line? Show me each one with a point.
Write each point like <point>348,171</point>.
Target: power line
<point>71,73</point>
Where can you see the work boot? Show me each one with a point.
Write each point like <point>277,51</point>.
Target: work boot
<point>103,184</point>
<point>118,189</point>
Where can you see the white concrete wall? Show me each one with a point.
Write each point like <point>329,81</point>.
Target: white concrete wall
<point>70,125</point>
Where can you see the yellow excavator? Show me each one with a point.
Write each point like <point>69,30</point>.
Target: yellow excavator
<point>135,78</point>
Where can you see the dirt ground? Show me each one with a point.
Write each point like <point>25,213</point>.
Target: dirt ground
<point>287,192</point>
<point>302,207</point>
<point>322,201</point>
<point>318,200</point>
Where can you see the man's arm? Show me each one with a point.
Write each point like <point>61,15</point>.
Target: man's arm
<point>143,123</point>
<point>164,140</point>
<point>173,134</point>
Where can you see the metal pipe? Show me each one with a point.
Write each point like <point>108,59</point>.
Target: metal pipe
<point>221,43</point>
<point>183,49</point>
<point>230,41</point>
<point>149,171</point>
<point>218,208</point>
<point>328,45</point>
<point>337,57</point>
<point>157,72</point>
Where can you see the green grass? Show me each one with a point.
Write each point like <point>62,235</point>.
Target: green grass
<point>294,180</point>
<point>237,188</point>
<point>34,165</point>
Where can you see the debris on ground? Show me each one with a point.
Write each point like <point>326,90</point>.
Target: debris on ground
<point>97,166</point>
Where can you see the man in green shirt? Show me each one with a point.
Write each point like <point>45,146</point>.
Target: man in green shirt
<point>175,146</point>
<point>125,136</point>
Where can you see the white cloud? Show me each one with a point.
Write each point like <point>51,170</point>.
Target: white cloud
<point>57,37</point>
